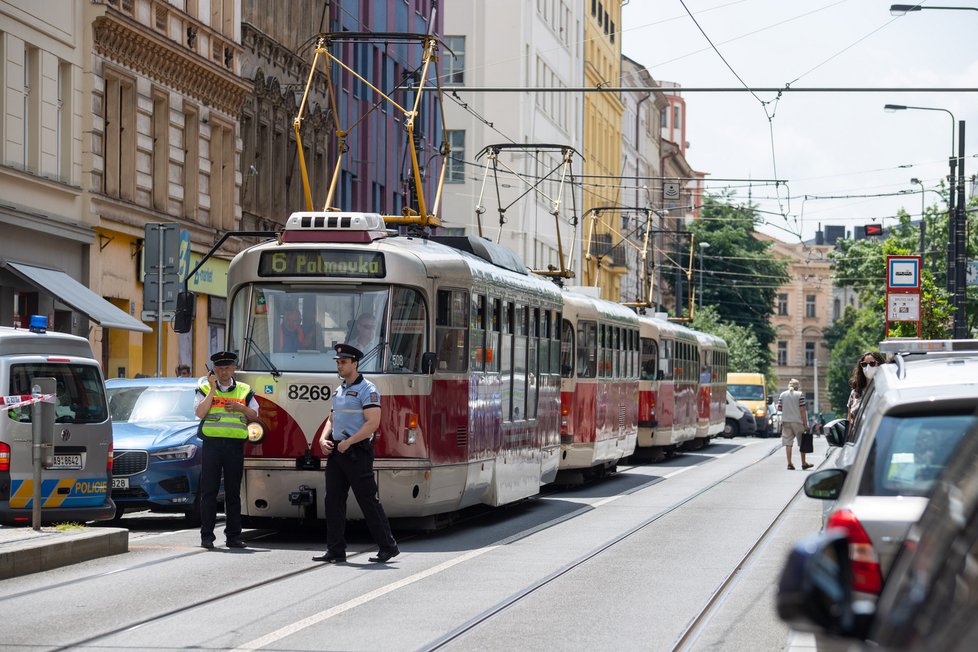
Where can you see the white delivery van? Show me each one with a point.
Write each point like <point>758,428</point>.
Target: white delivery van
<point>77,453</point>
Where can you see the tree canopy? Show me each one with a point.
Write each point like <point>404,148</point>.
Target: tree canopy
<point>740,276</point>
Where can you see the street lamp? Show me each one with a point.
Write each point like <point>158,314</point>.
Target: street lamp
<point>956,278</point>
<point>923,222</point>
<point>703,247</point>
<point>902,10</point>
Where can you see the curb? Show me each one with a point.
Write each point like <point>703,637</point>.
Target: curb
<point>40,551</point>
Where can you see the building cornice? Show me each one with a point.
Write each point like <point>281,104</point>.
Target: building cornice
<point>122,39</point>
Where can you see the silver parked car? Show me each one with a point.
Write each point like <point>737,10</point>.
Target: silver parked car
<point>913,415</point>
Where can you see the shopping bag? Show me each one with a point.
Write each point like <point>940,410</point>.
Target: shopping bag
<point>807,442</point>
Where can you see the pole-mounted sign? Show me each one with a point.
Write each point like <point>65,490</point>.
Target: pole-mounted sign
<point>903,290</point>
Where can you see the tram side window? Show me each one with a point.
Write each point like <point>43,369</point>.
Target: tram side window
<point>587,349</point>
<point>532,364</point>
<point>506,359</point>
<point>556,354</point>
<point>566,349</point>
<point>667,360</point>
<point>493,335</point>
<point>650,358</point>
<point>478,333</point>
<point>408,328</point>
<point>451,328</point>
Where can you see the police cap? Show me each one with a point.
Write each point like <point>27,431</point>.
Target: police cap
<point>348,351</point>
<point>224,358</point>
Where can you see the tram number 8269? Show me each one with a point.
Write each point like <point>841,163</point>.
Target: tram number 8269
<point>309,392</point>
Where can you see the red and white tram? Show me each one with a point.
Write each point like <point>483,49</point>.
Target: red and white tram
<point>669,384</point>
<point>599,385</point>
<point>465,354</point>
<point>712,400</point>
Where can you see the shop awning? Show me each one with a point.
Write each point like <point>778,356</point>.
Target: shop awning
<point>72,293</point>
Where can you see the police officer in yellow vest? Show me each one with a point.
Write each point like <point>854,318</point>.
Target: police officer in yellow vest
<point>225,407</point>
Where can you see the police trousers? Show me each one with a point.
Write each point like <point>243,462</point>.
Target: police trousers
<point>221,456</point>
<point>354,469</point>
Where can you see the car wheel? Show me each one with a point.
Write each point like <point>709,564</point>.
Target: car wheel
<point>730,429</point>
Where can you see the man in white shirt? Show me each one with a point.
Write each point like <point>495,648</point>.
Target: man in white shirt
<point>794,421</point>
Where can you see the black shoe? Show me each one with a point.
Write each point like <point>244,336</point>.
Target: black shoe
<point>207,545</point>
<point>330,558</point>
<point>236,543</point>
<point>385,556</point>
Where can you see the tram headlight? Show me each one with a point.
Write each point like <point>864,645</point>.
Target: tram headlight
<point>256,432</point>
<point>412,427</point>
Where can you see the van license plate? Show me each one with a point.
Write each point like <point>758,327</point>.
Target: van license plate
<point>120,483</point>
<point>67,462</point>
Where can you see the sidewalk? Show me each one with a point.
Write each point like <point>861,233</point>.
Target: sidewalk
<point>24,550</point>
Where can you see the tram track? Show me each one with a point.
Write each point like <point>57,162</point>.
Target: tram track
<point>434,645</point>
<point>514,598</point>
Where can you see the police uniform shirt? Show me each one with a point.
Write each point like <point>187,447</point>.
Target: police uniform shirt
<point>200,396</point>
<point>349,402</point>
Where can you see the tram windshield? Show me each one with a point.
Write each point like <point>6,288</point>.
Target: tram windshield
<point>287,327</point>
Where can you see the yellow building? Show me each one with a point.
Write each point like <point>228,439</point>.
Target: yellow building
<point>606,264</point>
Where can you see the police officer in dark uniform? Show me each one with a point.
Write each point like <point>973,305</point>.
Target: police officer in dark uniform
<point>225,407</point>
<point>347,442</point>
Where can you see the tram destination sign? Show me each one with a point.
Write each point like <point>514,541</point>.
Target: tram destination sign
<point>318,262</point>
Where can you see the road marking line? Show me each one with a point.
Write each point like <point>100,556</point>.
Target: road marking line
<point>317,618</point>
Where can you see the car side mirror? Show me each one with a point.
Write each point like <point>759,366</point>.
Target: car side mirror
<point>825,484</point>
<point>429,362</point>
<point>815,591</point>
<point>836,431</point>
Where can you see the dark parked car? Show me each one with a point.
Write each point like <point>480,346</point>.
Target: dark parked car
<point>157,453</point>
<point>930,598</point>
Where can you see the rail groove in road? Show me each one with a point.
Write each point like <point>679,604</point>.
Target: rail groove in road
<point>502,605</point>
<point>692,630</point>
<point>272,637</point>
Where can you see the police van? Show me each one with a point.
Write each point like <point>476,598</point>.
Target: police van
<point>76,453</point>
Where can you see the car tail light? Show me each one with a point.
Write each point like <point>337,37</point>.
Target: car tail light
<point>866,574</point>
<point>4,456</point>
<point>108,462</point>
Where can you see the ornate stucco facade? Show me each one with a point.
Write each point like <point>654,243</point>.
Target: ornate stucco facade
<point>165,96</point>
<point>803,310</point>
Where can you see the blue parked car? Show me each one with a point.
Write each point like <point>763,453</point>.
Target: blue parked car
<point>157,453</point>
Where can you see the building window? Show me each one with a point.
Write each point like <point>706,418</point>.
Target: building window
<point>455,66</point>
<point>64,123</point>
<point>809,354</point>
<point>782,353</point>
<point>809,305</point>
<point>119,137</point>
<point>191,161</point>
<point>456,157</point>
<point>221,181</point>
<point>161,149</point>
<point>782,304</point>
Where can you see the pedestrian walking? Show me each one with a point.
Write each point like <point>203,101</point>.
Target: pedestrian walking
<point>794,421</point>
<point>225,407</point>
<point>347,440</point>
<point>862,373</point>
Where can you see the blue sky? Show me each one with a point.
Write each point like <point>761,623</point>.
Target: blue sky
<point>839,145</point>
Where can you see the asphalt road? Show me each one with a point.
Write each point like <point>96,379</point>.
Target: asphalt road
<point>683,554</point>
